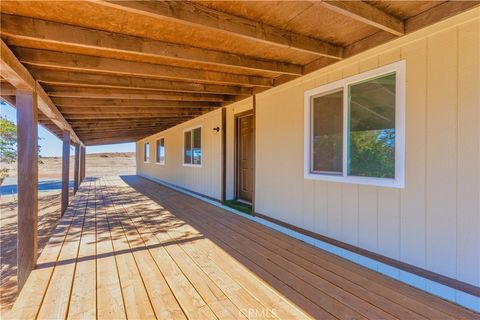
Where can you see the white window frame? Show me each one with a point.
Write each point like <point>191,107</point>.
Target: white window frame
<point>399,180</point>
<point>157,161</point>
<point>145,159</point>
<point>183,147</point>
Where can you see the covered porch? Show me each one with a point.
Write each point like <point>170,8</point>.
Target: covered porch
<point>128,247</point>
<point>176,78</point>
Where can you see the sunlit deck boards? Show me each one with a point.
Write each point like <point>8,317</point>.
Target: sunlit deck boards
<point>130,248</point>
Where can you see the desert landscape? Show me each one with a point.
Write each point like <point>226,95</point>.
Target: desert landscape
<point>50,171</point>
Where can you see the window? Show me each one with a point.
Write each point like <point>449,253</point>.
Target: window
<point>161,151</point>
<point>354,129</point>
<point>192,147</point>
<point>146,152</point>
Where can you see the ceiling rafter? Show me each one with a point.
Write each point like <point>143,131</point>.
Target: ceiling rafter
<point>68,78</point>
<point>84,63</point>
<point>57,33</point>
<point>366,13</point>
<point>120,103</point>
<point>206,18</point>
<point>14,72</point>
<point>107,93</point>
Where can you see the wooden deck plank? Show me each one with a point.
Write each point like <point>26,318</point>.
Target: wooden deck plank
<point>226,298</point>
<point>293,263</point>
<point>162,298</point>
<point>238,272</point>
<point>130,248</point>
<point>193,303</point>
<point>57,298</point>
<point>135,296</point>
<point>110,303</point>
<point>30,298</point>
<point>83,304</point>
<point>247,248</point>
<point>412,298</point>
<point>423,303</point>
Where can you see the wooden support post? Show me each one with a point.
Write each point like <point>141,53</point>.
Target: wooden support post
<point>27,148</point>
<point>65,170</point>
<point>224,154</point>
<point>76,171</point>
<point>82,160</point>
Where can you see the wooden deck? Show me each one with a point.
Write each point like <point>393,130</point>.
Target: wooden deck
<point>129,248</point>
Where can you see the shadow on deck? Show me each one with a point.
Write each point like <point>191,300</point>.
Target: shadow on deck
<point>130,248</point>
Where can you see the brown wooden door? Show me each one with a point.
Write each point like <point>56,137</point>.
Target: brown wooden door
<point>245,165</point>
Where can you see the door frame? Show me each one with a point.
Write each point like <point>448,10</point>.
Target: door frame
<point>247,113</point>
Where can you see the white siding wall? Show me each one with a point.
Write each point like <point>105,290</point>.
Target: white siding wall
<point>434,222</point>
<point>206,179</point>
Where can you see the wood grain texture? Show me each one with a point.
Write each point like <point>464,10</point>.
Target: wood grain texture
<point>76,169</point>
<point>27,166</point>
<point>203,17</point>
<point>51,32</point>
<point>146,250</point>
<point>83,63</point>
<point>65,170</point>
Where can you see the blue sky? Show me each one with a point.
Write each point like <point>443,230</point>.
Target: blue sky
<point>52,146</point>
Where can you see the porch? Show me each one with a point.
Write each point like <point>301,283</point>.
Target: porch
<point>127,247</point>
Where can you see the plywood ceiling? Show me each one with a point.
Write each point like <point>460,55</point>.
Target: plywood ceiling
<point>121,70</point>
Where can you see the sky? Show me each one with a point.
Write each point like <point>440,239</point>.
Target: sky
<point>51,146</point>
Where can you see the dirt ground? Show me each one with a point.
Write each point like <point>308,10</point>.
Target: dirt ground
<point>96,164</point>
<point>48,215</point>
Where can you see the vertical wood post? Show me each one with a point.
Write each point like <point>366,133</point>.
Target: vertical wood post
<point>254,150</point>
<point>65,170</point>
<point>27,166</point>
<point>82,160</point>
<point>224,154</point>
<point>76,171</point>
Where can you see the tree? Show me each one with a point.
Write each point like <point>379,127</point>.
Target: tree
<point>372,153</point>
<point>8,146</point>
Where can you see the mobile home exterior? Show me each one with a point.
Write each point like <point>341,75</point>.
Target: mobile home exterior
<point>428,220</point>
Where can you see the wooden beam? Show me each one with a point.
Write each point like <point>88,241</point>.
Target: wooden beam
<point>426,18</point>
<point>224,154</point>
<point>366,13</point>
<point>77,122</point>
<point>63,78</point>
<point>105,93</point>
<point>83,163</point>
<point>83,63</point>
<point>135,110</point>
<point>9,99</point>
<point>65,171</point>
<point>157,126</point>
<point>116,136</point>
<point>104,132</point>
<point>126,103</point>
<point>126,125</point>
<point>205,18</point>
<point>438,13</point>
<point>14,72</point>
<point>49,32</point>
<point>73,116</point>
<point>6,89</point>
<point>101,141</point>
<point>27,166</point>
<point>76,172</point>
